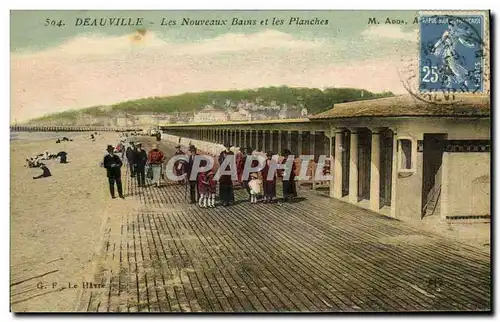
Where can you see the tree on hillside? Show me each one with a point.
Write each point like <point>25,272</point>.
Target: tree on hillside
<point>314,99</point>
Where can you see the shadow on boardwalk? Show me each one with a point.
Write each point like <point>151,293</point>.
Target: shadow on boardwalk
<point>315,255</point>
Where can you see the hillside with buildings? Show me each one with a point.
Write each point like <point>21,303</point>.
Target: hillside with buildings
<point>237,105</point>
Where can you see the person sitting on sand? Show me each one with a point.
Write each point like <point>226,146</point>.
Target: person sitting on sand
<point>37,163</point>
<point>46,172</point>
<point>62,155</point>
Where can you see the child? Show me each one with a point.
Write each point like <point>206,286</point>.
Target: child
<point>212,184</point>
<point>203,189</point>
<point>255,187</point>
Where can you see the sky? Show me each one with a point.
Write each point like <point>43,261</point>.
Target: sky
<point>69,67</point>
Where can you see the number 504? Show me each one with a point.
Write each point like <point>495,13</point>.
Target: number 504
<point>430,74</point>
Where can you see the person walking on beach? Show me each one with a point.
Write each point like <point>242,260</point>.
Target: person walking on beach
<point>113,163</point>
<point>289,186</point>
<point>155,159</point>
<point>129,154</point>
<point>226,191</point>
<point>140,160</point>
<point>269,183</point>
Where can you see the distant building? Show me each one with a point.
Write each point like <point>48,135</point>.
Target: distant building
<point>84,119</point>
<point>240,115</point>
<point>210,114</point>
<point>283,113</point>
<point>164,118</point>
<point>121,120</point>
<point>260,116</point>
<point>145,119</point>
<point>288,113</point>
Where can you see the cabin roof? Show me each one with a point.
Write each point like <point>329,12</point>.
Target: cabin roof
<point>475,105</point>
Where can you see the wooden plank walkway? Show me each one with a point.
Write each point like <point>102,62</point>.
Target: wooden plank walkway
<point>317,254</point>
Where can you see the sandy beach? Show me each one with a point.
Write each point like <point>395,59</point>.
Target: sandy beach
<point>56,222</point>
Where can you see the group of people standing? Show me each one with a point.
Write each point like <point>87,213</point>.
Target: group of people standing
<point>268,182</point>
<point>258,183</point>
<point>138,160</point>
<point>203,186</point>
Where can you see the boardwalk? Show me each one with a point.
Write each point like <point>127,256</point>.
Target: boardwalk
<point>317,254</point>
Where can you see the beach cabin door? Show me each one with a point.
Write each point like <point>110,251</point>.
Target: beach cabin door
<point>431,178</point>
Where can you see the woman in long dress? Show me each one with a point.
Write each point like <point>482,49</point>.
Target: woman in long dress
<point>269,184</point>
<point>289,186</point>
<point>226,192</point>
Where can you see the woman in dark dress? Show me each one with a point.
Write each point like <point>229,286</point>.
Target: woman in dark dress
<point>289,186</point>
<point>269,184</point>
<point>179,166</point>
<point>226,192</point>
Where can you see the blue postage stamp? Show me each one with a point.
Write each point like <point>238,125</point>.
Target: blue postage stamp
<point>451,53</point>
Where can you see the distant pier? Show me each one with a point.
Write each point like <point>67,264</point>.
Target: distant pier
<point>35,128</point>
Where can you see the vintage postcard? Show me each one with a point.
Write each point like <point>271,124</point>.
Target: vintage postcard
<point>250,161</point>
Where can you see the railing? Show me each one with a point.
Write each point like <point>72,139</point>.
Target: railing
<point>35,128</point>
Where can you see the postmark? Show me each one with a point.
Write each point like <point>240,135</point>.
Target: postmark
<point>452,52</point>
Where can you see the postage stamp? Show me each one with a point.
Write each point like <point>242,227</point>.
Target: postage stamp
<point>452,52</point>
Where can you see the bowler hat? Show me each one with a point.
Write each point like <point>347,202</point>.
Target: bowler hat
<point>192,148</point>
<point>110,147</point>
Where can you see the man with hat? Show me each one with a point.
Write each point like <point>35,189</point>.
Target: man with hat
<point>226,191</point>
<point>113,163</point>
<point>140,160</point>
<point>130,158</point>
<point>189,167</point>
<point>289,187</point>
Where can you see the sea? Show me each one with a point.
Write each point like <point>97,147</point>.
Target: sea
<point>33,136</point>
